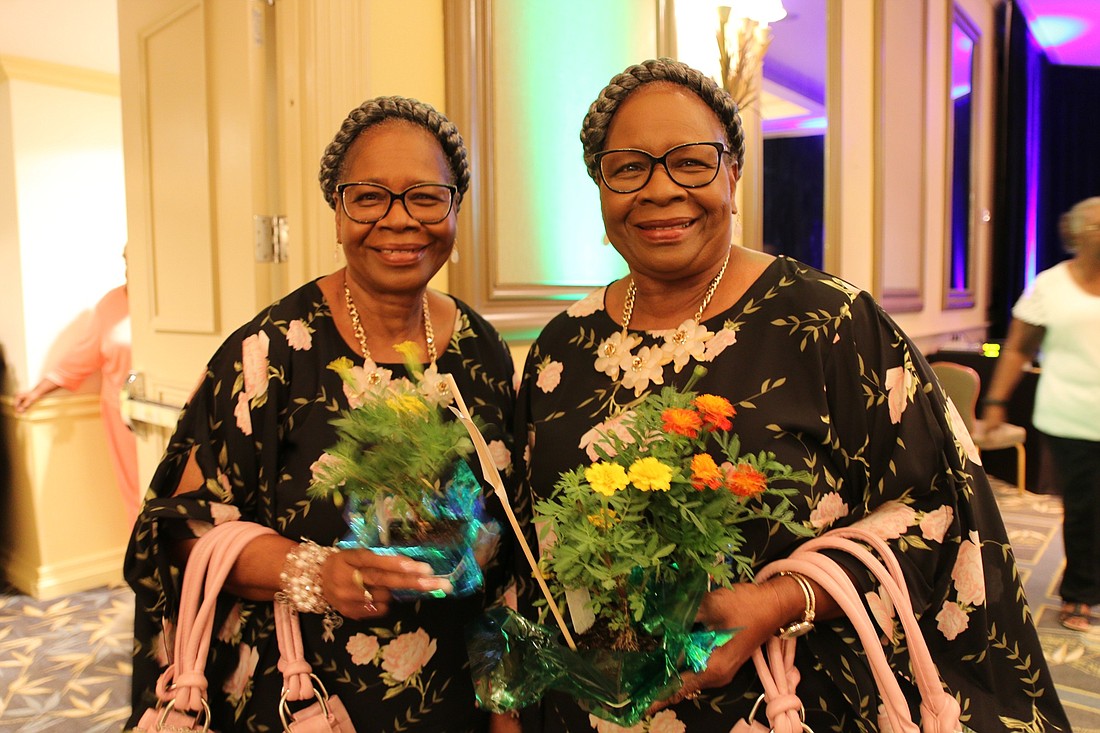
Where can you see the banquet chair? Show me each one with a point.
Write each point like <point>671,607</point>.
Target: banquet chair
<point>962,384</point>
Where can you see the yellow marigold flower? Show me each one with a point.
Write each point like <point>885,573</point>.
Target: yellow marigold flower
<point>705,473</point>
<point>744,480</point>
<point>681,422</point>
<point>715,411</point>
<point>604,519</point>
<point>649,474</point>
<point>606,478</point>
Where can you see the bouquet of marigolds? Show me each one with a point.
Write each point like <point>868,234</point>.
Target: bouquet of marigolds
<point>398,468</point>
<point>631,543</point>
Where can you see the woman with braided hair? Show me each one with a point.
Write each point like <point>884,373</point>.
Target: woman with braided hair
<point>819,376</point>
<point>247,441</point>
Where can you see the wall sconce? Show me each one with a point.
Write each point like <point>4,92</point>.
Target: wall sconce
<point>744,33</point>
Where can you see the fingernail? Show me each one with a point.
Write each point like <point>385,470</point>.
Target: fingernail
<point>417,568</point>
<point>440,584</point>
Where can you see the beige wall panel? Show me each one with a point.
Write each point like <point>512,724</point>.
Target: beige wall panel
<point>899,197</point>
<point>176,115</point>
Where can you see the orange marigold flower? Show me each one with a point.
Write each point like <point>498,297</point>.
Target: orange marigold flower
<point>682,422</point>
<point>744,480</point>
<point>705,473</point>
<point>715,411</point>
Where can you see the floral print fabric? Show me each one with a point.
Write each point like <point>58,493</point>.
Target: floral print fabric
<point>820,376</point>
<point>257,423</point>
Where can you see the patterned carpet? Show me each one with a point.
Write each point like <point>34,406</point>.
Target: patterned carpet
<point>65,664</point>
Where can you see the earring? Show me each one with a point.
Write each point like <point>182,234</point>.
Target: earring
<point>454,253</point>
<point>337,251</point>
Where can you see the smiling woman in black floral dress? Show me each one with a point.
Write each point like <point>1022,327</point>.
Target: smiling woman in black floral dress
<point>820,376</point>
<point>243,450</point>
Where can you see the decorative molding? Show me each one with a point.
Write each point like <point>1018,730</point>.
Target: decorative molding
<point>965,297</point>
<point>18,68</point>
<point>899,250</point>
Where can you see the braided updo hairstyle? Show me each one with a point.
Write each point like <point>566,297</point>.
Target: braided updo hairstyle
<point>598,119</point>
<point>385,109</point>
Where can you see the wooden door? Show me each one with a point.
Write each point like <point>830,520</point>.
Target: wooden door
<point>200,146</point>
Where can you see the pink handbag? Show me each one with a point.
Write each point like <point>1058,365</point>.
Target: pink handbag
<point>939,709</point>
<point>181,689</point>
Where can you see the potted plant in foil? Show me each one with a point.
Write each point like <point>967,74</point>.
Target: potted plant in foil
<point>631,542</point>
<point>399,469</point>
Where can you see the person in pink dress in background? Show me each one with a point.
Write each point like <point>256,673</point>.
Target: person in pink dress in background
<point>104,347</point>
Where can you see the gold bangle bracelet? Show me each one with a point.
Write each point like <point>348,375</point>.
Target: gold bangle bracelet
<point>798,628</point>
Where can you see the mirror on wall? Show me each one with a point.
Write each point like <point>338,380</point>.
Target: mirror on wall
<point>784,173</point>
<point>794,127</point>
<point>960,179</point>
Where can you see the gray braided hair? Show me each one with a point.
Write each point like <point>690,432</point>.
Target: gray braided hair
<point>384,109</point>
<point>598,119</point>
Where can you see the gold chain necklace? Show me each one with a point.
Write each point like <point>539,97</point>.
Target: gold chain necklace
<point>357,325</point>
<point>680,336</point>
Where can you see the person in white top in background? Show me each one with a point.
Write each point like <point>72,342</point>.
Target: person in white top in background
<point>1059,316</point>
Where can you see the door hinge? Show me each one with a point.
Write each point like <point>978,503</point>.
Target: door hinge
<point>271,238</point>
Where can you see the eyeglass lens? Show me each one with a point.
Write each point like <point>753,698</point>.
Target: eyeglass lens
<point>367,203</point>
<point>691,166</point>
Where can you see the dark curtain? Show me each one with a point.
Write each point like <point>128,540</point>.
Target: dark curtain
<point>1070,168</point>
<point>1018,60</point>
<point>794,198</point>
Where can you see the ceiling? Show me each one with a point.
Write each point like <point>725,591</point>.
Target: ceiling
<point>84,33</point>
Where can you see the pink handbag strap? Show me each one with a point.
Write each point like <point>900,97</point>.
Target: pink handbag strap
<point>939,710</point>
<point>297,674</point>
<point>208,566</point>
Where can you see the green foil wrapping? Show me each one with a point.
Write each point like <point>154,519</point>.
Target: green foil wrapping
<point>460,503</point>
<point>515,661</point>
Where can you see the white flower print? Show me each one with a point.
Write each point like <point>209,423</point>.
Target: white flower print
<point>588,305</point>
<point>362,648</point>
<point>666,722</point>
<point>615,425</point>
<point>613,354</point>
<point>829,509</point>
<point>231,629</point>
<point>890,520</point>
<point>692,345</point>
<point>934,524</point>
<point>549,375</point>
<point>650,369</point>
<point>242,413</point>
<point>968,574</point>
<point>606,726</point>
<point>951,620</point>
<point>406,655</point>
<point>298,335</point>
<point>962,435</point>
<point>222,513</point>
<point>502,458</point>
<point>882,609</point>
<point>899,382</point>
<point>237,683</point>
<point>254,364</point>
<point>718,343</point>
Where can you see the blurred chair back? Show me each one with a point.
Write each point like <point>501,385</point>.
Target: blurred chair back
<point>962,384</point>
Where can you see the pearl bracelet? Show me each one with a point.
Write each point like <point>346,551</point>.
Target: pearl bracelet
<point>300,579</point>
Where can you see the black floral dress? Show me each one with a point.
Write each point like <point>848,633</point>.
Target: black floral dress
<point>822,377</point>
<point>258,421</point>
